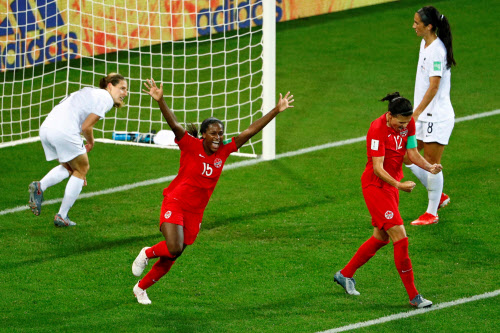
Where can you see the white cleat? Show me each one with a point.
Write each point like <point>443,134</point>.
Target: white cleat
<point>141,295</point>
<point>349,284</point>
<point>140,262</point>
<point>420,302</point>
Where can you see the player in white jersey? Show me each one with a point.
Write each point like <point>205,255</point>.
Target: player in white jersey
<point>61,138</point>
<point>434,113</point>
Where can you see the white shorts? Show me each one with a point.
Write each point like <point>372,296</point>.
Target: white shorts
<point>439,132</point>
<point>61,146</point>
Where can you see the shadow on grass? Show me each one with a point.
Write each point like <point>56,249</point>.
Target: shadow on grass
<point>66,251</point>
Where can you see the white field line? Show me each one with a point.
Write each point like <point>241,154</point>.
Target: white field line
<point>412,313</point>
<point>230,166</point>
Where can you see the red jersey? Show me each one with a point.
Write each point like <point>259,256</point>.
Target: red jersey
<point>198,173</point>
<point>383,140</point>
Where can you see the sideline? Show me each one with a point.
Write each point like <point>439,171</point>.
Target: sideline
<point>412,313</point>
<point>230,166</point>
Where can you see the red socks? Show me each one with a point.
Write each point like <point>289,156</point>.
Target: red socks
<point>403,265</point>
<point>364,253</point>
<point>158,250</point>
<point>160,268</point>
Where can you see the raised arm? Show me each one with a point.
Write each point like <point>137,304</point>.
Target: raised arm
<point>157,94</point>
<point>283,104</point>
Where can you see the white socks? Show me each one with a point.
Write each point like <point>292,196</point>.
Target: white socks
<point>73,189</point>
<point>420,173</point>
<point>433,184</point>
<point>434,190</point>
<point>55,176</point>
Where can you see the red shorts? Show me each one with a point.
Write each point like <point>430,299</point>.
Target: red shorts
<point>172,212</point>
<point>383,205</point>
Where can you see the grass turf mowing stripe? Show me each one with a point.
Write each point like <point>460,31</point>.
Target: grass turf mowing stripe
<point>413,312</point>
<point>231,166</point>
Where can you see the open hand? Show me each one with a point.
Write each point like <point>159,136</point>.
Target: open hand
<point>153,90</point>
<point>285,102</point>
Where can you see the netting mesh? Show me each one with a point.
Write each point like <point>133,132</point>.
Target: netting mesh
<point>207,55</point>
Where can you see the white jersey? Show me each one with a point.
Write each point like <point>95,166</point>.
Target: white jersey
<point>69,115</point>
<point>432,62</point>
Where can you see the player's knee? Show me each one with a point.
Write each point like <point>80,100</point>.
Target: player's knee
<point>85,169</point>
<point>175,249</point>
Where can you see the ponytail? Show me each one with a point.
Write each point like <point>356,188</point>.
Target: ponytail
<point>441,26</point>
<point>192,129</point>
<point>113,78</point>
<point>398,104</point>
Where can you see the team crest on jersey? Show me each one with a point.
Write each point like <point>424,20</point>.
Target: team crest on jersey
<point>168,214</point>
<point>389,215</point>
<point>218,163</point>
<point>404,132</point>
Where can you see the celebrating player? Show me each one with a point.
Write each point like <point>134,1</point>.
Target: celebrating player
<point>61,140</point>
<point>185,199</point>
<point>434,112</point>
<point>389,138</point>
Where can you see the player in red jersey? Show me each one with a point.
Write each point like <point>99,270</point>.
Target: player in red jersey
<point>388,139</point>
<point>187,196</point>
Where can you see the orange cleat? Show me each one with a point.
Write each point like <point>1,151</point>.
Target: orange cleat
<point>445,200</point>
<point>425,219</point>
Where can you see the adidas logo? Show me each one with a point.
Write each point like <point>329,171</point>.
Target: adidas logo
<point>32,44</point>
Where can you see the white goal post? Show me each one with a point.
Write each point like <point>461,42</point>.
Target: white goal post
<point>214,58</point>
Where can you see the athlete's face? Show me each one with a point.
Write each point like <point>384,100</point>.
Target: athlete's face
<point>118,92</point>
<point>212,138</point>
<point>398,122</point>
<point>419,27</point>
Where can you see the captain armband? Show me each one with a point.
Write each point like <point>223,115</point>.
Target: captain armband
<point>412,142</point>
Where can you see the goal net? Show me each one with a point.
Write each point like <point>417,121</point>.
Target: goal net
<point>210,56</point>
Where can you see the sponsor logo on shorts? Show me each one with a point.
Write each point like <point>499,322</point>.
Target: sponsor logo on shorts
<point>389,215</point>
<point>218,163</point>
<point>168,214</point>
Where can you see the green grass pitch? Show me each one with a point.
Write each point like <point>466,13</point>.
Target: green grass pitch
<point>274,233</point>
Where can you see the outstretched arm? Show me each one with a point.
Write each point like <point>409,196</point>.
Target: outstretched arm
<point>283,104</point>
<point>157,94</point>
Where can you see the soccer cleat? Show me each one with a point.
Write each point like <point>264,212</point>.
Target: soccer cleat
<point>141,295</point>
<point>347,283</point>
<point>420,302</point>
<point>140,262</point>
<point>445,200</point>
<point>426,219</point>
<point>36,197</point>
<point>59,221</point>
